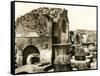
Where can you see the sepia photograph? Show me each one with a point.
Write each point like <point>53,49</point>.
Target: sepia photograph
<point>54,37</point>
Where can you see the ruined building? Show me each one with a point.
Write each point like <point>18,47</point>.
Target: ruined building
<point>42,38</point>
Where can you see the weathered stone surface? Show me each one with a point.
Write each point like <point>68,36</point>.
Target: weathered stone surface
<point>40,43</point>
<point>61,56</point>
<point>39,21</point>
<point>72,50</point>
<point>60,41</point>
<point>18,59</point>
<point>80,65</point>
<point>72,37</point>
<point>79,53</point>
<point>62,67</point>
<point>44,24</point>
<point>60,59</point>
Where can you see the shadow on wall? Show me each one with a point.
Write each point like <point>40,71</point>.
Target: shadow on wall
<point>33,52</point>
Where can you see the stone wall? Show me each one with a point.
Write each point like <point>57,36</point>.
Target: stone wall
<point>44,45</point>
<point>42,28</point>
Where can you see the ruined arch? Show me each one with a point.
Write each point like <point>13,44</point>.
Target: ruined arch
<point>31,49</point>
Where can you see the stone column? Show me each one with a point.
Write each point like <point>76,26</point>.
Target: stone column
<point>60,43</point>
<point>62,58</point>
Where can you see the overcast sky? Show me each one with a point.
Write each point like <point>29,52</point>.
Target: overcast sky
<point>80,17</point>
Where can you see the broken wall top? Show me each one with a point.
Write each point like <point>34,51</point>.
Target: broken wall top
<point>36,20</point>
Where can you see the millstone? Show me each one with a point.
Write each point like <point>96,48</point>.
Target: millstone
<point>79,53</point>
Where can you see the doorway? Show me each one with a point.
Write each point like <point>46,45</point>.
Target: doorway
<point>32,54</point>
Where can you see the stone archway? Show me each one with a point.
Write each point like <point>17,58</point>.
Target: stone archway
<point>32,54</point>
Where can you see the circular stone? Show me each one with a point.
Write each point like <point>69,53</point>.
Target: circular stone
<point>80,65</point>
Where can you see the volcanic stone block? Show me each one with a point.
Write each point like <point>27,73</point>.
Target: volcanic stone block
<point>80,65</point>
<point>62,60</point>
<point>79,53</point>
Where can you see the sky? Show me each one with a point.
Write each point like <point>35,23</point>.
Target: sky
<point>80,17</point>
